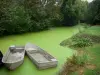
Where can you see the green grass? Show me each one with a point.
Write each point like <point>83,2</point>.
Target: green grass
<point>94,30</point>
<point>48,40</point>
<point>93,51</point>
<point>88,37</point>
<point>95,54</point>
<point>73,64</point>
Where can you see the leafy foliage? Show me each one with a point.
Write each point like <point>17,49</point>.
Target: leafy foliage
<point>78,41</point>
<point>35,15</point>
<point>27,15</point>
<point>73,64</point>
<point>81,60</point>
<point>89,37</point>
<point>93,15</point>
<point>73,11</point>
<point>81,42</point>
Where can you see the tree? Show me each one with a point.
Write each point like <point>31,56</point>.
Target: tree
<point>93,15</point>
<point>19,16</point>
<point>73,11</point>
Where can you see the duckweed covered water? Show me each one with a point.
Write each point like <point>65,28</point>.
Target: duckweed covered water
<point>49,40</point>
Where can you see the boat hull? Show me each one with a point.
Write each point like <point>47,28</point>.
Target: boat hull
<point>14,57</point>
<point>39,57</point>
<point>13,66</point>
<point>43,65</point>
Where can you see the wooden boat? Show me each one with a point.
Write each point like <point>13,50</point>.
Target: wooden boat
<point>40,57</point>
<point>14,57</point>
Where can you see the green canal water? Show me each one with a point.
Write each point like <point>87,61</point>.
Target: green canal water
<point>49,40</point>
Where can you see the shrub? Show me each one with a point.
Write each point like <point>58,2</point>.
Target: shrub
<point>15,20</point>
<point>81,60</point>
<point>24,16</point>
<point>73,64</point>
<point>81,42</point>
<point>20,20</point>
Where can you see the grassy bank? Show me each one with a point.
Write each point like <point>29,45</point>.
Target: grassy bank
<point>86,42</point>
